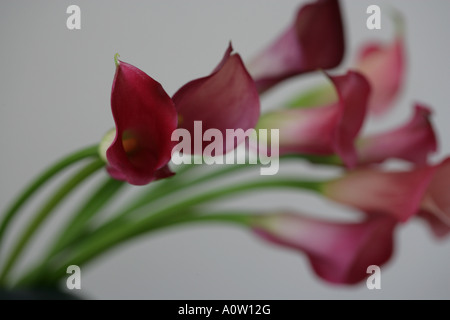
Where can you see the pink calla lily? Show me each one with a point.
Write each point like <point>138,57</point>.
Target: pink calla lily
<point>438,227</point>
<point>435,205</point>
<point>339,252</point>
<point>314,41</point>
<point>398,193</point>
<point>419,192</point>
<point>384,67</point>
<point>383,64</point>
<point>325,130</point>
<point>412,142</point>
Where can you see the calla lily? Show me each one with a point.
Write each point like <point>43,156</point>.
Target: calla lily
<point>383,64</point>
<point>145,118</point>
<point>384,67</point>
<point>339,252</point>
<point>325,130</point>
<point>398,194</point>
<point>314,41</point>
<point>438,227</point>
<point>401,194</point>
<point>226,99</point>
<point>435,205</point>
<point>412,142</point>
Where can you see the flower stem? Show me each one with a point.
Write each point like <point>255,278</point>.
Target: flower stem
<point>172,185</point>
<point>333,160</point>
<point>74,229</point>
<point>75,226</point>
<point>107,237</point>
<point>40,181</point>
<point>46,209</point>
<point>234,218</point>
<point>169,186</point>
<point>160,190</point>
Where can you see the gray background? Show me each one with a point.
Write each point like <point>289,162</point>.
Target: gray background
<point>54,94</point>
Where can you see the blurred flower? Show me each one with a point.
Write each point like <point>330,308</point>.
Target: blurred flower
<point>226,99</point>
<point>436,202</point>
<point>145,118</point>
<point>398,194</point>
<point>383,64</point>
<point>438,227</point>
<point>402,194</point>
<point>384,67</point>
<point>314,41</point>
<point>325,130</point>
<point>413,141</point>
<point>339,252</point>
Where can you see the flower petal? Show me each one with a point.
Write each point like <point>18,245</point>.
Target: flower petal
<point>324,130</point>
<point>145,118</point>
<point>339,252</point>
<point>384,67</point>
<point>437,201</point>
<point>398,194</point>
<point>412,142</point>
<point>314,41</point>
<point>226,99</point>
<point>353,90</point>
<point>438,227</point>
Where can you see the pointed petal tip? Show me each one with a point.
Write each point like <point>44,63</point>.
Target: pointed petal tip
<point>226,99</point>
<point>116,59</point>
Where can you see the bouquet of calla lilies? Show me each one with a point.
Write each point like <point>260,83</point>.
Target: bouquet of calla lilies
<point>321,126</point>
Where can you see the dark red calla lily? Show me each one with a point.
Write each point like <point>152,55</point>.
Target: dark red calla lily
<point>145,118</point>
<point>226,99</point>
<point>314,41</point>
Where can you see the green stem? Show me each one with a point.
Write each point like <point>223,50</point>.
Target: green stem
<point>333,160</point>
<point>162,192</point>
<point>163,189</point>
<point>157,190</point>
<point>318,96</point>
<point>45,211</point>
<point>99,242</point>
<point>75,227</point>
<point>91,151</point>
<point>237,218</point>
<point>173,185</point>
<point>234,218</point>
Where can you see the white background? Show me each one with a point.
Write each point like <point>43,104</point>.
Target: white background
<point>54,94</point>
